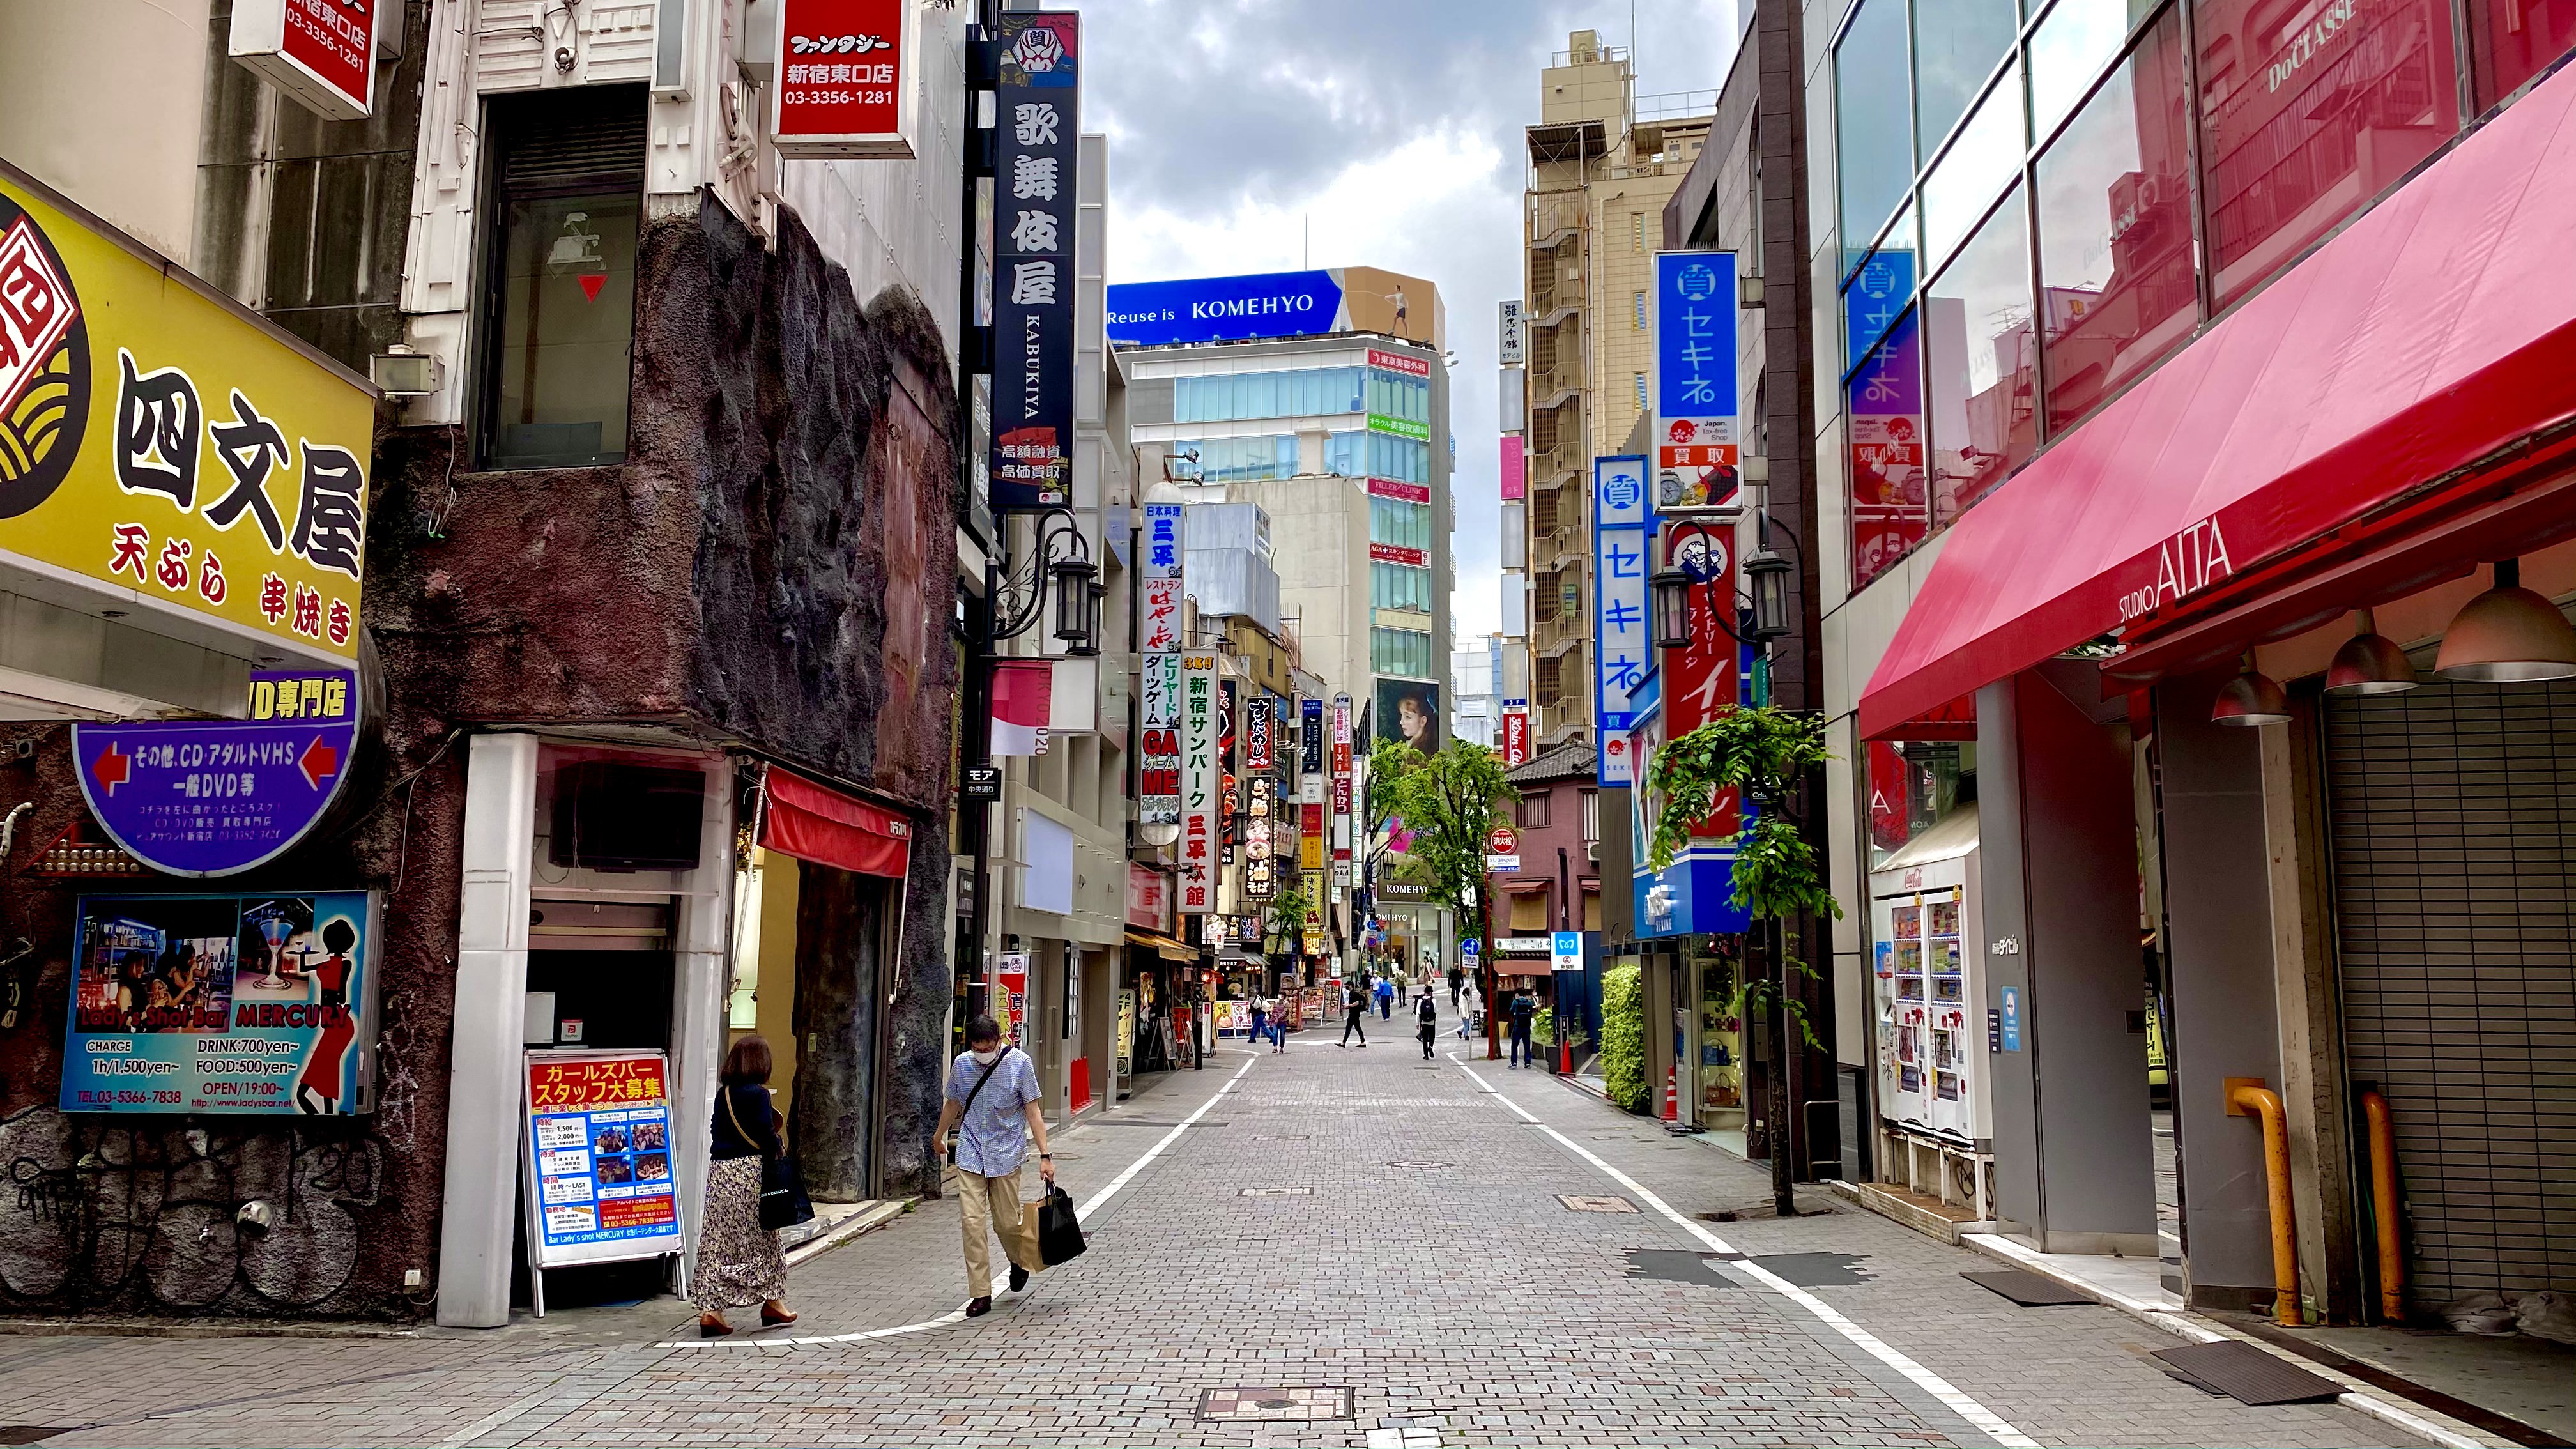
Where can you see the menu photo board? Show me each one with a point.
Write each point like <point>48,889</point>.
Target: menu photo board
<point>239,1004</point>
<point>601,1182</point>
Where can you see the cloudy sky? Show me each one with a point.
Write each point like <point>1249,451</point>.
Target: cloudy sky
<point>1392,126</point>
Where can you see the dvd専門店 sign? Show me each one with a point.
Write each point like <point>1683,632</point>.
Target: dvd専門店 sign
<point>218,797</point>
<point>167,449</point>
<point>256,1004</point>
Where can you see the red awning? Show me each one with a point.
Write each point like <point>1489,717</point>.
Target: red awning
<point>814,822</point>
<point>2433,332</point>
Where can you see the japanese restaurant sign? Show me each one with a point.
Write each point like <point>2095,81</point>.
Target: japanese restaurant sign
<point>601,1186</point>
<point>242,1004</point>
<point>167,447</point>
<point>320,53</point>
<point>844,80</point>
<point>219,797</point>
<point>1037,122</point>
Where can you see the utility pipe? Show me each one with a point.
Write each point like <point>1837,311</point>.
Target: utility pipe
<point>2266,1103</point>
<point>2383,1207</point>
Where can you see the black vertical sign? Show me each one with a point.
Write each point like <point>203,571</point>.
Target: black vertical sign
<point>1310,742</point>
<point>1033,220</point>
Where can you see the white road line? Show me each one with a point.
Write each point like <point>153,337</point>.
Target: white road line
<point>958,1314</point>
<point>1985,1419</point>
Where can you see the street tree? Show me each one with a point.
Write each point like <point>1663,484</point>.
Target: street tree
<point>1448,802</point>
<point>1764,754</point>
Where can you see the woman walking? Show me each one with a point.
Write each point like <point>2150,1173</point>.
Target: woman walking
<point>738,1260</point>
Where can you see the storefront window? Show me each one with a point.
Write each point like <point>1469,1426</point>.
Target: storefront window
<point>1985,158</point>
<point>2510,41</point>
<point>1238,460</point>
<point>1879,292</point>
<point>1977,374</point>
<point>1873,122</point>
<point>2069,49</point>
<point>1406,525</point>
<point>1399,586</point>
<point>1883,405</point>
<point>1404,459</point>
<point>2115,230</point>
<point>2308,110</point>
<point>1913,785</point>
<point>1957,44</point>
<point>1304,392</point>
<point>1392,394</point>
<point>1400,651</point>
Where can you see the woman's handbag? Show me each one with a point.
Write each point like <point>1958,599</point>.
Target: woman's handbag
<point>1059,1231</point>
<point>783,1203</point>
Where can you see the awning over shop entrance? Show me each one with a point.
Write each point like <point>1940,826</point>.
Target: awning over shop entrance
<point>2420,343</point>
<point>817,823</point>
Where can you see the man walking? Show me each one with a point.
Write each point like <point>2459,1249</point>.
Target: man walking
<point>1426,1012</point>
<point>1385,998</point>
<point>1457,979</point>
<point>1403,984</point>
<point>1354,1006</point>
<point>992,1105</point>
<point>1523,1009</point>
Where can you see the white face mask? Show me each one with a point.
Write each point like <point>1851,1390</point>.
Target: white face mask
<point>985,1058</point>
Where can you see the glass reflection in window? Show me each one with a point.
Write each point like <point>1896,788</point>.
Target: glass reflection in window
<point>567,322</point>
<point>1986,155</point>
<point>1873,121</point>
<point>2115,230</point>
<point>2070,48</point>
<point>1883,406</point>
<point>2308,109</point>
<point>1876,294</point>
<point>1977,373</point>
<point>2510,41</point>
<point>1957,44</point>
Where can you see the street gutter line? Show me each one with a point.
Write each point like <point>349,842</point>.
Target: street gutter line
<point>1984,1419</point>
<point>958,1314</point>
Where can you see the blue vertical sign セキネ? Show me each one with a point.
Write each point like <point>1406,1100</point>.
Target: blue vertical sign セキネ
<point>1621,518</point>
<point>1699,423</point>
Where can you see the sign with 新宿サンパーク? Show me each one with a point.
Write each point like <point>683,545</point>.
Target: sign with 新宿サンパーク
<point>167,448</point>
<point>261,1004</point>
<point>601,1185</point>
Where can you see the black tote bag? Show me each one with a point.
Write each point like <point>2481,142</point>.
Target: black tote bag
<point>1059,1231</point>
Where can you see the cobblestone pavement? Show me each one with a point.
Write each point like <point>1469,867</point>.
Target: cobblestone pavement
<point>1454,1244</point>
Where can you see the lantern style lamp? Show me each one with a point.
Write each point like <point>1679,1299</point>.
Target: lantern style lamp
<point>2369,663</point>
<point>1668,589</point>
<point>1077,607</point>
<point>2507,635</point>
<point>1768,575</point>
<point>2251,699</point>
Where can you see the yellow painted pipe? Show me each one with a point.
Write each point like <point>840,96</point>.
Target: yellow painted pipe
<point>2266,1103</point>
<point>2383,1207</point>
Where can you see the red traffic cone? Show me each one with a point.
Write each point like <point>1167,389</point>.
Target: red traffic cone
<point>1672,1097</point>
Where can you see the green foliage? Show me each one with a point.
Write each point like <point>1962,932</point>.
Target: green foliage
<point>1287,919</point>
<point>1449,802</point>
<point>1623,1036</point>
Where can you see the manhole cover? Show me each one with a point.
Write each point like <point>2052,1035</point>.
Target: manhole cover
<point>1296,1403</point>
<point>1416,1164</point>
<point>1597,1204</point>
<point>1278,1192</point>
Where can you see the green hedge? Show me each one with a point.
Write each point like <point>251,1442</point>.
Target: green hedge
<point>1623,1036</point>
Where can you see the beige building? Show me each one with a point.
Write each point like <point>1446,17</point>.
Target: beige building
<point>1603,161</point>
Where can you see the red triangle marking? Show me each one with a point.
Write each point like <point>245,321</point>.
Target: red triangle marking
<point>591,284</point>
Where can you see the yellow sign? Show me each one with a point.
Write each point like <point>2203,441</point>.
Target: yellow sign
<point>157,440</point>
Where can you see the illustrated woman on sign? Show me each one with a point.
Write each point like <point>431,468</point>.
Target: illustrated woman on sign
<point>317,1091</point>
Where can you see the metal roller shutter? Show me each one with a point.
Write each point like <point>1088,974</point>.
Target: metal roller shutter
<point>2454,843</point>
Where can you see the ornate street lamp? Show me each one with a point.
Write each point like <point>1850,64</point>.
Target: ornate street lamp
<point>1062,559</point>
<point>1767,573</point>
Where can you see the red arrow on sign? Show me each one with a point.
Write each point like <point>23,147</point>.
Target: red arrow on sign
<point>113,767</point>
<point>319,762</point>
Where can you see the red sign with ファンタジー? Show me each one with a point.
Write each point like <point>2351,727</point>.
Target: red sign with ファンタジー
<point>336,41</point>
<point>841,77</point>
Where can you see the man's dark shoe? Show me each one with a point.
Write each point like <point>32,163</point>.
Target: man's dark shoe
<point>1019,1277</point>
<point>980,1307</point>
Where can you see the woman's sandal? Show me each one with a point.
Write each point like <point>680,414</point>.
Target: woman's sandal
<point>713,1328</point>
<point>776,1320</point>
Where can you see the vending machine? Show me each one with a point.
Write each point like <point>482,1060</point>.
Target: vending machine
<point>1928,970</point>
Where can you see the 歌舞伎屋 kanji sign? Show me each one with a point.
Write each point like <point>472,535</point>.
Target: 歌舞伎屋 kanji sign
<point>1033,263</point>
<point>167,448</point>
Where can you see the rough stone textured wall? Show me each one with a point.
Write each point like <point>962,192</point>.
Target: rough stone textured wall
<point>773,567</point>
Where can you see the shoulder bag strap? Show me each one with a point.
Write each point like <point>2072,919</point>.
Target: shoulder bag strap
<point>727,1094</point>
<point>969,1103</point>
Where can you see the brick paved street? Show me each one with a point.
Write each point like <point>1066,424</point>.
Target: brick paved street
<point>1423,1258</point>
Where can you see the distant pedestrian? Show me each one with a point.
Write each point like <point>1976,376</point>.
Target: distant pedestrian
<point>993,1102</point>
<point>1457,979</point>
<point>1260,1017</point>
<point>1403,987</point>
<point>1279,1021</point>
<point>1354,1007</point>
<point>1426,1013</point>
<point>1385,999</point>
<point>738,1260</point>
<point>1471,1006</point>
<point>1523,1011</point>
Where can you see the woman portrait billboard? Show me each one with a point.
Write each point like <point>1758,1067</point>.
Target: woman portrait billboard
<point>1409,710</point>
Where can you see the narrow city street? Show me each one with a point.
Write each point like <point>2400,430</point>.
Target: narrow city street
<point>1356,1246</point>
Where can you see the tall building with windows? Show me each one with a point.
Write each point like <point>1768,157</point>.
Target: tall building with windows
<point>1603,161</point>
<point>2178,370</point>
<point>1323,397</point>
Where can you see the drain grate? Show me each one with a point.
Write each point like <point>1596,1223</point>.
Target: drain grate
<point>1417,1164</point>
<point>2247,1374</point>
<point>1278,1192</point>
<point>1289,1404</point>
<point>1596,1204</point>
<point>2027,1289</point>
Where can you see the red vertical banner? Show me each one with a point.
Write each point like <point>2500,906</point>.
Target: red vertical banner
<point>1516,737</point>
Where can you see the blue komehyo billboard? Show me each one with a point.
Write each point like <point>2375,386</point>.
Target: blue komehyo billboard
<point>259,1004</point>
<point>1225,309</point>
